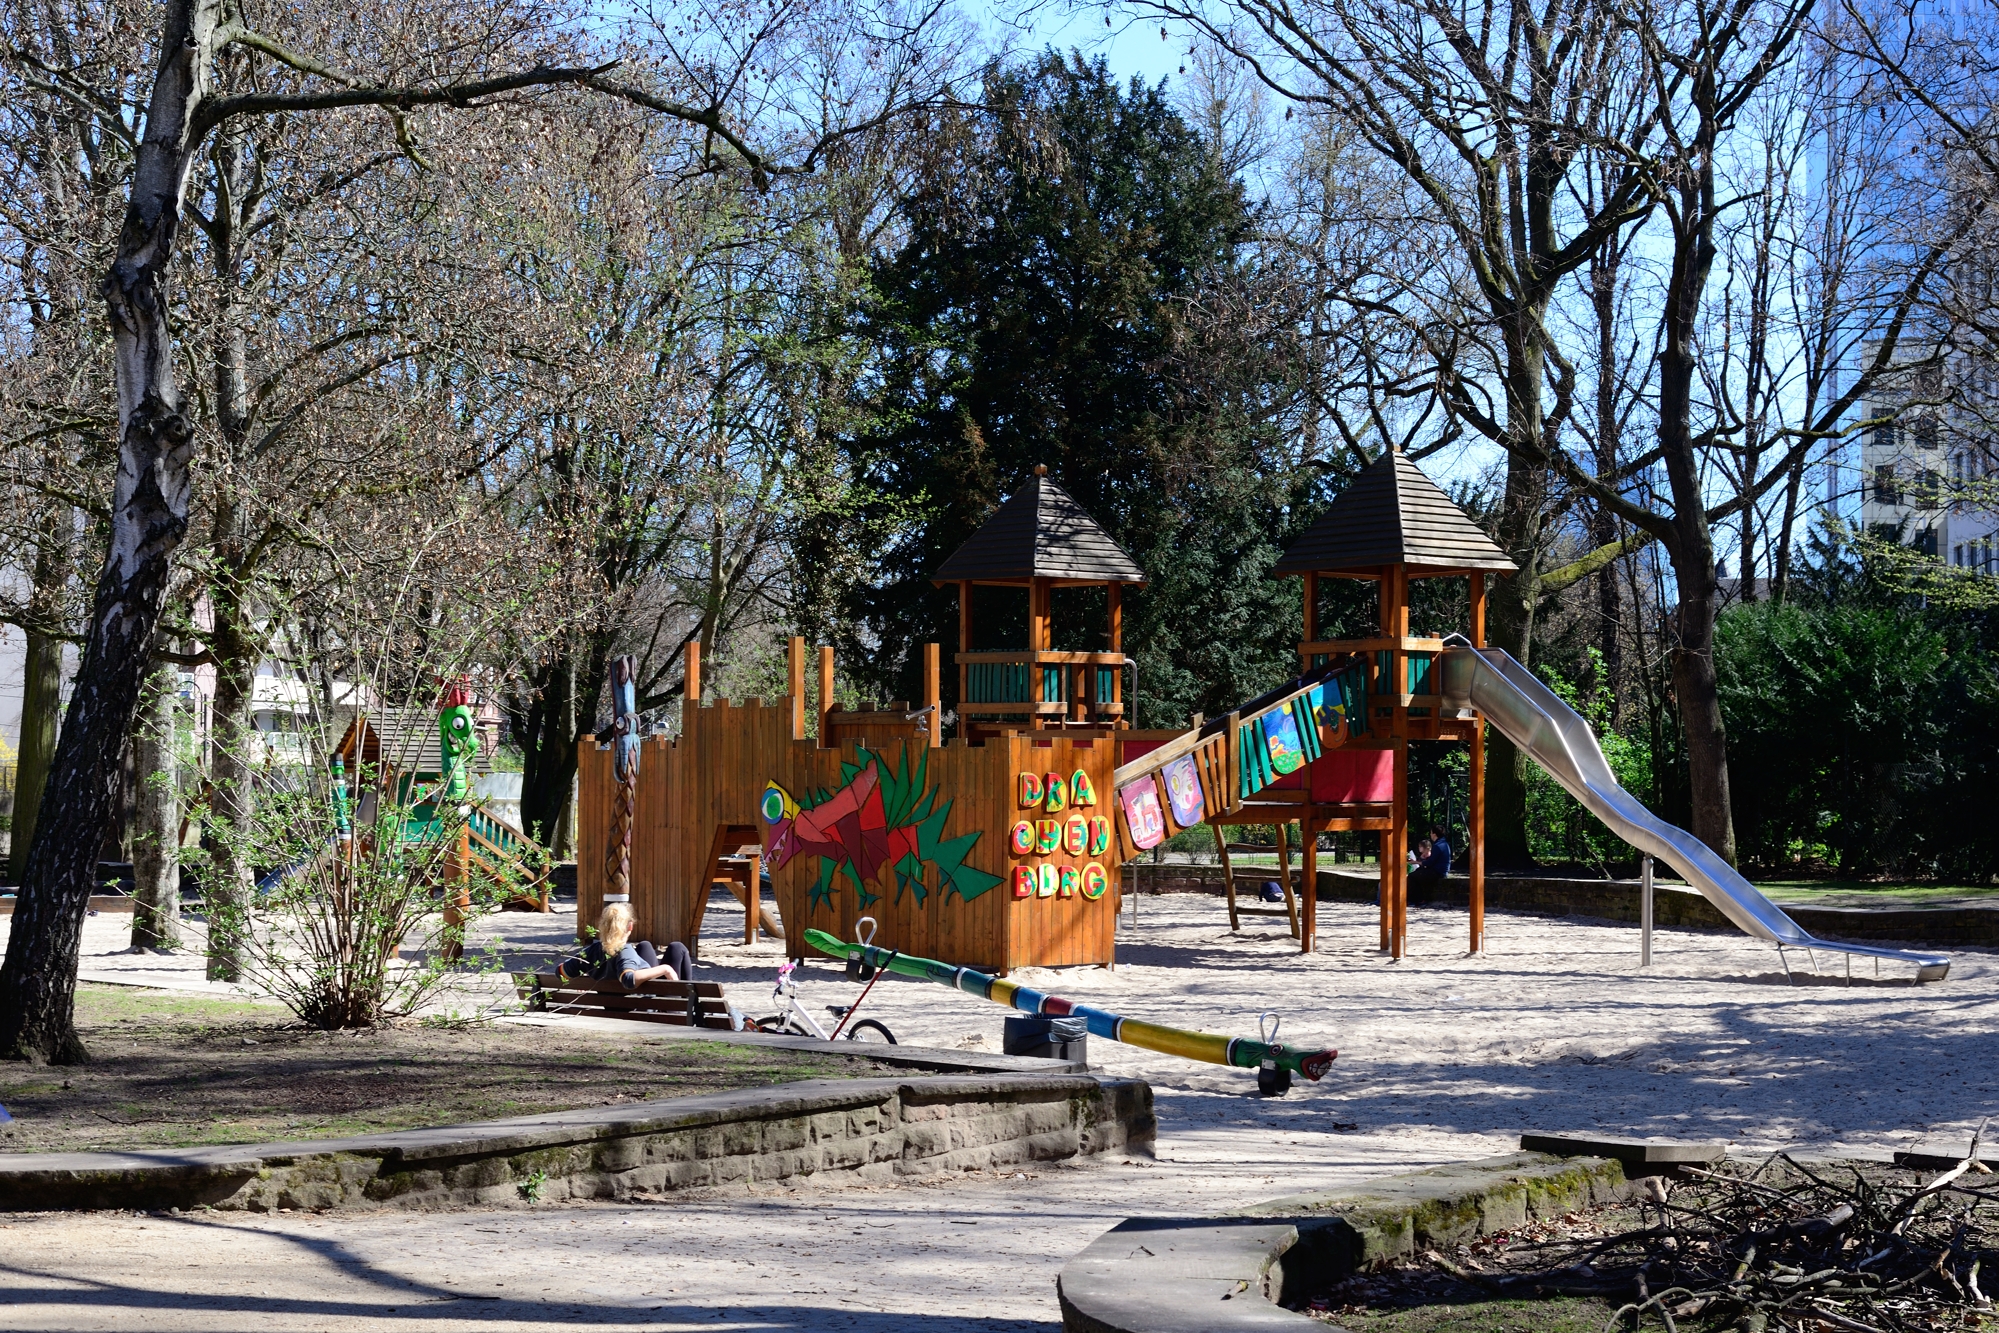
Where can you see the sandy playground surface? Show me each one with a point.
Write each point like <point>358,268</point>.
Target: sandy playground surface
<point>1442,1057</point>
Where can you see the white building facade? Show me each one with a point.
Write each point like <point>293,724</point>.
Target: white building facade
<point>1929,475</point>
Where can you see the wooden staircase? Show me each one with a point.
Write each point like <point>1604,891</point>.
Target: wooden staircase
<point>504,854</point>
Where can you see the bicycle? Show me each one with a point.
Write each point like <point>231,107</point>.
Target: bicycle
<point>794,1020</point>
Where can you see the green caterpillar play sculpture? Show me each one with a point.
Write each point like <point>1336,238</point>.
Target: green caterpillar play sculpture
<point>1240,1052</point>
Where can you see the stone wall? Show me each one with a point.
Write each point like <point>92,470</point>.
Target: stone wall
<point>1674,905</point>
<point>846,1129</point>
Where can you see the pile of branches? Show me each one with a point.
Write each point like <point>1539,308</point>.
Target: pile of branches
<point>1785,1247</point>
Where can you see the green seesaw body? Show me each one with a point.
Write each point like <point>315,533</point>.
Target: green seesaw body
<point>1238,1051</point>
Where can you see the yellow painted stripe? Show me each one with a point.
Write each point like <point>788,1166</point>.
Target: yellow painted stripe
<point>1003,991</point>
<point>1175,1041</point>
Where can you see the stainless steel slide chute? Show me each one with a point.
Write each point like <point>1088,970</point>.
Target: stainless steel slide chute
<point>1554,736</point>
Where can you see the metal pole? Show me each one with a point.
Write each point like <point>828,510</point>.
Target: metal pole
<point>1645,913</point>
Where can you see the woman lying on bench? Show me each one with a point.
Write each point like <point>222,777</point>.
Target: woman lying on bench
<point>613,956</point>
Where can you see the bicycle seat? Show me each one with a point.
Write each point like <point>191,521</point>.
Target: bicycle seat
<point>838,1010</point>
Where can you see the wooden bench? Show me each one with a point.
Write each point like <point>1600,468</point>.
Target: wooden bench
<point>681,1003</point>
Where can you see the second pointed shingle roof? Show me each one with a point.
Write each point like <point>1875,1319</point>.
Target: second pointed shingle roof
<point>1040,533</point>
<point>1393,515</point>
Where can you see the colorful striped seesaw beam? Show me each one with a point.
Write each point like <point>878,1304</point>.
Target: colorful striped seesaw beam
<point>1240,1052</point>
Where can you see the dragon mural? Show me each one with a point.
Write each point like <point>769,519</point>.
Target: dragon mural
<point>877,829</point>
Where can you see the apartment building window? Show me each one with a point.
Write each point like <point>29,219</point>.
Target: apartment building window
<point>1929,489</point>
<point>1926,543</point>
<point>1887,436</point>
<point>1957,555</point>
<point>1887,491</point>
<point>1926,432</point>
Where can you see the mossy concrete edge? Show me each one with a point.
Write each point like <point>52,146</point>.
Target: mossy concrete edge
<point>874,1130</point>
<point>1221,1274</point>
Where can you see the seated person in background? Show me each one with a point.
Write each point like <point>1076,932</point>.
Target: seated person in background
<point>1435,862</point>
<point>613,956</point>
<point>1419,852</point>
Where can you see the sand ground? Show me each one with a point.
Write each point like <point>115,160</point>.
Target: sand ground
<point>1442,1057</point>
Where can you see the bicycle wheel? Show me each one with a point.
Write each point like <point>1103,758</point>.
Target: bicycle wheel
<point>869,1029</point>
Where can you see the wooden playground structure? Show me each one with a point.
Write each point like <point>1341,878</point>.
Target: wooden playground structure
<point>399,751</point>
<point>1003,847</point>
<point>1331,749</point>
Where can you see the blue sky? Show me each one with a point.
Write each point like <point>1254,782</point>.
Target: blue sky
<point>1133,50</point>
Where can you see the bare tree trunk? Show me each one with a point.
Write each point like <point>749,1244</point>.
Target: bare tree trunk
<point>1513,600</point>
<point>1603,272</point>
<point>1691,549</point>
<point>230,884</point>
<point>41,704</point>
<point>148,520</point>
<point>156,837</point>
<point>1780,577</point>
<point>41,701</point>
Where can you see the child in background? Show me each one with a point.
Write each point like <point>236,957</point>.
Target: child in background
<point>613,956</point>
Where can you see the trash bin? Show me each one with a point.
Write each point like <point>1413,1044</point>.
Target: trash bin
<point>1048,1038</point>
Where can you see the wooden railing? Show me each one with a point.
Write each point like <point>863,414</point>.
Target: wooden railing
<point>1042,683</point>
<point>505,854</point>
<point>1236,757</point>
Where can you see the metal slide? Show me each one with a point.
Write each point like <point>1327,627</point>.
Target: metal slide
<point>1557,739</point>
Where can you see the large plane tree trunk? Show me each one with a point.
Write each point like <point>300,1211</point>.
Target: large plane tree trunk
<point>41,696</point>
<point>156,835</point>
<point>148,519</point>
<point>230,884</point>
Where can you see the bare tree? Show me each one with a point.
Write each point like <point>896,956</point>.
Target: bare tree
<point>213,70</point>
<point>1485,110</point>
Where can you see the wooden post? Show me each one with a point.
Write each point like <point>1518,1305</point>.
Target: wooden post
<point>1114,595</point>
<point>933,698</point>
<point>1399,924</point>
<point>1475,836</point>
<point>1228,874</point>
<point>1395,856</point>
<point>794,673</point>
<point>825,692</point>
<point>1308,930</point>
<point>457,893</point>
<point>1038,639</point>
<point>690,695</point>
<point>1384,895</point>
<point>1475,817</point>
<point>964,646</point>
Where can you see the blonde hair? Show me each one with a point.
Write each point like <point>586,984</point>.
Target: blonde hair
<point>614,926</point>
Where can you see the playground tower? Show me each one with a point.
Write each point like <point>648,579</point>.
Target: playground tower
<point>1393,526</point>
<point>1041,540</point>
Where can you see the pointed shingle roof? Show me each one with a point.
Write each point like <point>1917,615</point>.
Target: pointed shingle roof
<point>1040,533</point>
<point>1393,515</point>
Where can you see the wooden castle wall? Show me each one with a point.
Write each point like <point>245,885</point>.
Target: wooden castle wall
<point>714,775</point>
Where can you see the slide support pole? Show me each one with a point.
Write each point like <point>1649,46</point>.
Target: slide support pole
<point>1645,913</point>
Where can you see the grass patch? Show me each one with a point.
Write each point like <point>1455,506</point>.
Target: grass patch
<point>1862,893</point>
<point>1562,1314</point>
<point>174,1070</point>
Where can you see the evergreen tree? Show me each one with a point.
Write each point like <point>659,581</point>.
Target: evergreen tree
<point>1061,298</point>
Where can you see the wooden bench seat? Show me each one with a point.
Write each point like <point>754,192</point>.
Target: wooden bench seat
<point>681,1003</point>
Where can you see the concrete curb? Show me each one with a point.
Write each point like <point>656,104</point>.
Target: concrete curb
<point>1679,906</point>
<point>1221,1274</point>
<point>873,1129</point>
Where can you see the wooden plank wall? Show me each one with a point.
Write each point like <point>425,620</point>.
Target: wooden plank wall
<point>1059,932</point>
<point>593,826</point>
<point>715,773</point>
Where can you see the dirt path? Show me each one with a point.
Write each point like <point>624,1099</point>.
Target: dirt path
<point>182,1070</point>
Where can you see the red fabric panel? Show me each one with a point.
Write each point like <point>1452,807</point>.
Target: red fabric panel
<point>1343,776</point>
<point>1130,750</point>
